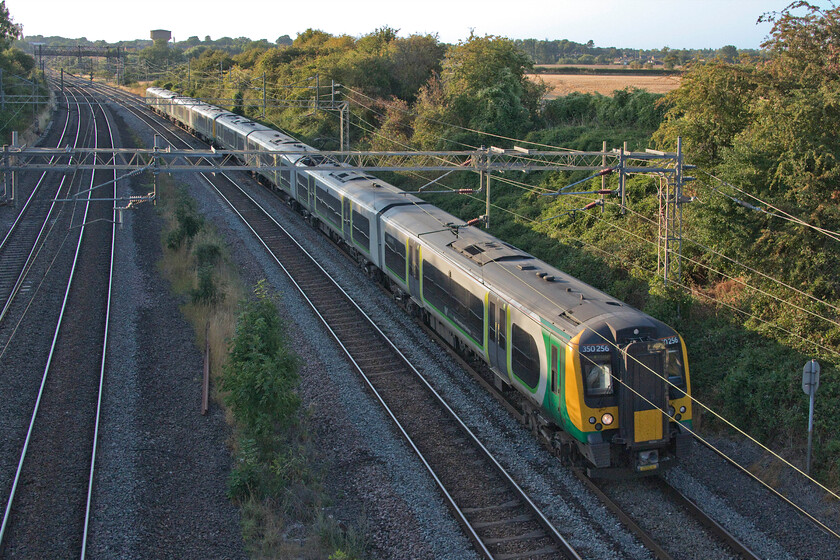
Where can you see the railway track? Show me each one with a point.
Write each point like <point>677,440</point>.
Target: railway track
<point>21,242</point>
<point>496,514</point>
<point>721,541</point>
<point>364,358</point>
<point>47,511</point>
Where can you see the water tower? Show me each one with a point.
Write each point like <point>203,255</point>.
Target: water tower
<point>161,35</point>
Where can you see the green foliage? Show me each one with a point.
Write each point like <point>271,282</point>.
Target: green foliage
<point>482,89</point>
<point>246,477</point>
<point>207,292</point>
<point>630,107</point>
<point>767,129</point>
<point>710,108</point>
<point>348,543</point>
<point>207,254</point>
<point>261,372</point>
<point>189,222</point>
<point>9,30</point>
<point>159,55</point>
<point>18,75</point>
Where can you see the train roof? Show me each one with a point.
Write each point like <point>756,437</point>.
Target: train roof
<point>516,275</point>
<point>369,191</point>
<point>210,111</point>
<point>272,141</point>
<point>242,124</point>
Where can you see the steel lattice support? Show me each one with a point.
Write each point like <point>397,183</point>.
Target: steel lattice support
<point>484,161</point>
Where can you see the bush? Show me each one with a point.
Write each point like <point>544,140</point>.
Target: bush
<point>207,254</point>
<point>261,374</point>
<point>207,292</point>
<point>188,220</point>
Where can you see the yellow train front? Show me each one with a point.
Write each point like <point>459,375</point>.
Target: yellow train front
<point>624,404</point>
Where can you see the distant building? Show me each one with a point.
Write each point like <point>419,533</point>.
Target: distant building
<point>161,35</point>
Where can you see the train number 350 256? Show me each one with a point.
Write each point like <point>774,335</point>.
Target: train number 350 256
<point>589,348</point>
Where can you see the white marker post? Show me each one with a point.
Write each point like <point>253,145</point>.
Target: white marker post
<point>810,383</point>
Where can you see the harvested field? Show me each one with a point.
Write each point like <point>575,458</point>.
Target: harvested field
<point>564,84</point>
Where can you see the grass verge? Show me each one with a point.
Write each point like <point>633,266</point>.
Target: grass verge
<point>278,473</point>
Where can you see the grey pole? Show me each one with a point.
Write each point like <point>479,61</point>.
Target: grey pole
<point>15,143</point>
<point>622,178</point>
<point>810,430</point>
<point>603,177</point>
<point>810,383</point>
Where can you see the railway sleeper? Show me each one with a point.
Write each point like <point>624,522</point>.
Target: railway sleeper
<point>548,552</point>
<point>512,504</point>
<point>531,535</point>
<point>500,522</point>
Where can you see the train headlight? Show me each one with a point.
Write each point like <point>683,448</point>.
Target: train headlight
<point>682,409</point>
<point>592,420</point>
<point>607,419</point>
<point>671,411</point>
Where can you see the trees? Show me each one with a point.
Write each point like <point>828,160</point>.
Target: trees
<point>769,129</point>
<point>9,30</point>
<point>482,87</point>
<point>728,53</point>
<point>159,54</point>
<point>712,105</point>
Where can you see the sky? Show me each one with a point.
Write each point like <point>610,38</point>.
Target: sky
<point>609,23</point>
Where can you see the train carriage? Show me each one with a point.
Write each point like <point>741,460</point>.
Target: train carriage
<point>204,119</point>
<point>598,379</point>
<point>232,131</point>
<point>160,100</point>
<point>274,144</point>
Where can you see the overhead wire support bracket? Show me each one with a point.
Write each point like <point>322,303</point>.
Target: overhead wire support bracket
<point>593,204</point>
<point>601,173</point>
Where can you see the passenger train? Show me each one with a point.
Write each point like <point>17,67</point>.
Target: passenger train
<point>604,383</point>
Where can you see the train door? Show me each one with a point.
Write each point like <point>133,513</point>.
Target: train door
<point>555,368</point>
<point>497,333</point>
<point>414,268</point>
<point>346,219</point>
<point>642,395</point>
<point>302,189</point>
<point>311,188</point>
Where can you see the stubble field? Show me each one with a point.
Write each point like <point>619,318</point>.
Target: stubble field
<point>564,84</point>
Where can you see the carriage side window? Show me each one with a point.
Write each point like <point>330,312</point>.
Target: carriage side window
<point>328,206</point>
<point>468,309</point>
<point>395,255</point>
<point>435,286</point>
<point>524,356</point>
<point>454,301</point>
<point>597,374</point>
<point>361,231</point>
<point>303,187</point>
<point>285,177</point>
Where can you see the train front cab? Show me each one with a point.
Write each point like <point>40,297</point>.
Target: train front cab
<point>615,395</point>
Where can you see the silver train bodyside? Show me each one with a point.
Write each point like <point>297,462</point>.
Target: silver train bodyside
<point>598,378</point>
